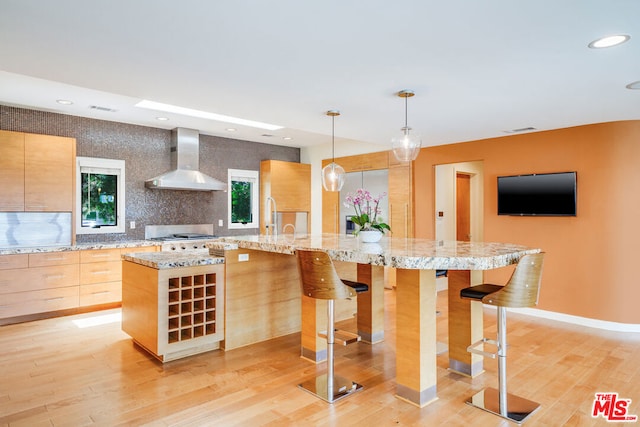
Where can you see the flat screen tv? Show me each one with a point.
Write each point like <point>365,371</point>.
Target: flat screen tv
<point>547,194</point>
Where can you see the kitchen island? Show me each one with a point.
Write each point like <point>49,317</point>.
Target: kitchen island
<point>416,261</point>
<point>173,303</point>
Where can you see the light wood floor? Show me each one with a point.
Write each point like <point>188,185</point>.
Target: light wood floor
<point>54,373</point>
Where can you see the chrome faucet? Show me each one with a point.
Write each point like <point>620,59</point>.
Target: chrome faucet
<point>271,227</point>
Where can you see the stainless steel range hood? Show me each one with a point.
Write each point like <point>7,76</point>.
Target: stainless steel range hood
<point>185,159</point>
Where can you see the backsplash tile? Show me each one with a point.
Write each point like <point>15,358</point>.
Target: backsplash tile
<point>146,152</point>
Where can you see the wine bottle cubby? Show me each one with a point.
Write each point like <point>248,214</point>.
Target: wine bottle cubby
<point>186,302</point>
<point>192,306</point>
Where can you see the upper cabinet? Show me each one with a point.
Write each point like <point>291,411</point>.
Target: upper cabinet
<point>11,171</point>
<point>288,183</point>
<point>36,172</point>
<point>400,191</point>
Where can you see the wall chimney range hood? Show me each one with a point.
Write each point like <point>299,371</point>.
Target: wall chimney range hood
<point>185,161</point>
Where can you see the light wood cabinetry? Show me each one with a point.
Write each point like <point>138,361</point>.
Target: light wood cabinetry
<point>49,171</point>
<point>289,183</point>
<point>400,191</point>
<point>176,312</point>
<point>400,200</point>
<point>48,283</point>
<point>361,162</point>
<point>11,171</point>
<point>37,172</point>
<point>101,275</point>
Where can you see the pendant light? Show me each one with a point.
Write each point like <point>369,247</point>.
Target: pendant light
<point>406,147</point>
<point>333,174</point>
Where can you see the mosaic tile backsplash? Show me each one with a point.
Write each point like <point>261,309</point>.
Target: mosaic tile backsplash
<point>146,152</point>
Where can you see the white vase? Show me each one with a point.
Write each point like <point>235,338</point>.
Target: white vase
<point>370,236</point>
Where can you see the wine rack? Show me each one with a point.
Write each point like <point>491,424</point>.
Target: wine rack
<point>192,306</point>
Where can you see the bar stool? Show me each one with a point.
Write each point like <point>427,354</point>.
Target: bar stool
<point>521,290</point>
<point>320,280</point>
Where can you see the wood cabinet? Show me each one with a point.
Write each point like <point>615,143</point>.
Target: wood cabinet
<point>11,171</point>
<point>400,191</point>
<point>289,183</point>
<point>37,172</point>
<point>400,200</point>
<point>101,275</point>
<point>175,312</point>
<point>361,162</point>
<point>47,283</point>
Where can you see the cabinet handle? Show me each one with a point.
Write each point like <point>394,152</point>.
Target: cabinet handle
<point>100,255</point>
<point>54,276</point>
<point>100,292</point>
<point>101,272</point>
<point>53,299</point>
<point>54,258</point>
<point>36,206</point>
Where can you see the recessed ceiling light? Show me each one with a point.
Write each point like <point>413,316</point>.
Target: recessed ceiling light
<point>634,85</point>
<point>64,101</point>
<point>204,115</point>
<point>609,41</point>
<point>162,119</point>
<point>287,138</point>
<point>231,129</point>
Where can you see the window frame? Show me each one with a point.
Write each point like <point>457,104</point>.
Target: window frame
<point>244,175</point>
<point>111,166</point>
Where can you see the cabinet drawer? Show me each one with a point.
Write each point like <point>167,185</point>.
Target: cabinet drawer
<point>14,261</point>
<point>98,272</point>
<point>44,259</point>
<point>99,255</point>
<point>23,303</point>
<point>139,249</point>
<point>100,293</point>
<point>38,278</point>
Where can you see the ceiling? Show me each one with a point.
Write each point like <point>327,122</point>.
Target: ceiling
<point>478,68</point>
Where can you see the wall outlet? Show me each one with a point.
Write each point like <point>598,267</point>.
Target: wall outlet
<point>220,223</point>
<point>132,225</point>
<point>243,257</point>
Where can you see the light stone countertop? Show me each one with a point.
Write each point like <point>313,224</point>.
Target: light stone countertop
<point>164,260</point>
<point>404,253</point>
<point>79,247</point>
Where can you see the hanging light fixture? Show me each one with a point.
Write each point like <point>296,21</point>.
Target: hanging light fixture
<point>406,147</point>
<point>333,174</point>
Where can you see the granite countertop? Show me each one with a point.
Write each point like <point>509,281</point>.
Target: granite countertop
<point>404,253</point>
<point>164,260</point>
<point>78,247</point>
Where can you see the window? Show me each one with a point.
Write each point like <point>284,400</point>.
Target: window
<point>100,200</point>
<point>243,199</point>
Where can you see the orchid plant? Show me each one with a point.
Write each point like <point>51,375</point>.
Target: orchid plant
<point>367,209</point>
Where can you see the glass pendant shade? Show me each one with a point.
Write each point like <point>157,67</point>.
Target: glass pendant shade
<point>333,174</point>
<point>406,147</point>
<point>333,177</point>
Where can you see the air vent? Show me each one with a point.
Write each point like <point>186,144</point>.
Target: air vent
<point>99,108</point>
<point>527,129</point>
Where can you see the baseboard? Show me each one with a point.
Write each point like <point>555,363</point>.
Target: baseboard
<point>576,320</point>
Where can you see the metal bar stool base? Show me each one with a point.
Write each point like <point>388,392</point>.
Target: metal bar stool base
<point>518,408</point>
<point>342,388</point>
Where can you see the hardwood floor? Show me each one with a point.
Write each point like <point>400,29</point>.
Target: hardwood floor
<point>53,373</point>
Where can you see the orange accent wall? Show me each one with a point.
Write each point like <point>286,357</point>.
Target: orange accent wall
<point>592,259</point>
